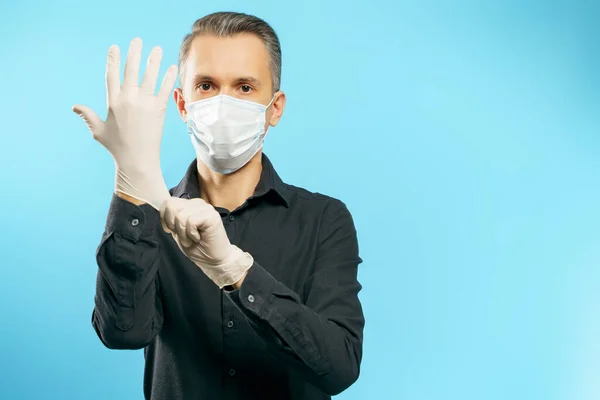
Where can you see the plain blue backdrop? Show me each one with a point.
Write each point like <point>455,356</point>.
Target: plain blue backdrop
<point>463,136</point>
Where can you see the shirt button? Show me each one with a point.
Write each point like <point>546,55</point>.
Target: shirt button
<point>231,372</point>
<point>230,324</point>
<point>135,222</point>
<point>231,217</point>
<point>251,299</point>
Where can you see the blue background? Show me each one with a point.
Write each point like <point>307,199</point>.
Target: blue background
<point>463,136</point>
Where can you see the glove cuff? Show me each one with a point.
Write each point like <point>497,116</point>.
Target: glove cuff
<point>149,188</point>
<point>233,268</point>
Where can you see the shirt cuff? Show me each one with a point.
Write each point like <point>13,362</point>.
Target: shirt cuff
<point>131,221</point>
<point>256,292</point>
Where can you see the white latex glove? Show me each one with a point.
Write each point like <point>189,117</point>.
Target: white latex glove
<point>133,128</point>
<point>198,230</point>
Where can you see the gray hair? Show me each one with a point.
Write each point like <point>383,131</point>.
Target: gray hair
<point>223,24</point>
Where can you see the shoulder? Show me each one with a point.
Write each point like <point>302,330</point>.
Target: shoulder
<point>310,202</point>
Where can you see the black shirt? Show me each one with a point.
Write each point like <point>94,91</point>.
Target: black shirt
<point>292,331</point>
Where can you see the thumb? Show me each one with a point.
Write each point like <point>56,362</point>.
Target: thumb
<point>91,119</point>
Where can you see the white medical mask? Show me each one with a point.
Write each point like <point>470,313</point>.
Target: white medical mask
<point>226,132</point>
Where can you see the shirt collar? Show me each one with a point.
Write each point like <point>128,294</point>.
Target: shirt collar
<point>269,183</point>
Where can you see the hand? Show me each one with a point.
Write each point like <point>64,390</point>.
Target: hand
<point>198,230</point>
<point>133,128</point>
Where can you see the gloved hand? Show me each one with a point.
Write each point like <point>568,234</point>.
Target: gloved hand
<point>198,230</point>
<point>133,128</point>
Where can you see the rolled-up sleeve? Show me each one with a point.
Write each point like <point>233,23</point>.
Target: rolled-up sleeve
<point>128,312</point>
<point>321,337</point>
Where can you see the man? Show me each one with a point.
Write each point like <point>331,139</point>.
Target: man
<point>237,285</point>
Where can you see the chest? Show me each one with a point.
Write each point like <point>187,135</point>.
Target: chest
<point>285,244</point>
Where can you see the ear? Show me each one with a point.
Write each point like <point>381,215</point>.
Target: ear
<point>180,102</point>
<point>278,106</point>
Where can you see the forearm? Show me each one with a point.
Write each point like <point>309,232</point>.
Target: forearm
<point>128,313</point>
<point>125,326</point>
<point>320,334</point>
<point>325,349</point>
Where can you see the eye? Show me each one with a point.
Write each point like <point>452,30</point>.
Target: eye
<point>246,88</point>
<point>205,87</point>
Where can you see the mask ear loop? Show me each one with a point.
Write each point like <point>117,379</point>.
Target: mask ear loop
<point>269,105</point>
<point>271,102</point>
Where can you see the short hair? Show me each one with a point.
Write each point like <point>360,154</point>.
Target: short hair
<point>224,24</point>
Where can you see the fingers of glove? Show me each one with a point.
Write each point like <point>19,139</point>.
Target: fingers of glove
<point>181,220</point>
<point>164,226</point>
<point>169,210</point>
<point>168,84</point>
<point>178,241</point>
<point>91,119</point>
<point>192,230</point>
<point>148,85</point>
<point>169,219</point>
<point>113,67</point>
<point>201,219</point>
<point>132,65</point>
<point>205,222</point>
<point>163,211</point>
<point>185,241</point>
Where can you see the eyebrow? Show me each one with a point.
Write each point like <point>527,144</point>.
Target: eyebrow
<point>248,79</point>
<point>244,79</point>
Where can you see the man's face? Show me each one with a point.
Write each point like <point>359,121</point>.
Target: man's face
<point>236,66</point>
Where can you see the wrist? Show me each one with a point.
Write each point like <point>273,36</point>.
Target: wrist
<point>235,268</point>
<point>142,186</point>
<point>238,284</point>
<point>239,258</point>
<point>129,198</point>
<point>147,171</point>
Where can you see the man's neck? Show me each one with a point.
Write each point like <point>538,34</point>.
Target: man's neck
<point>232,190</point>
